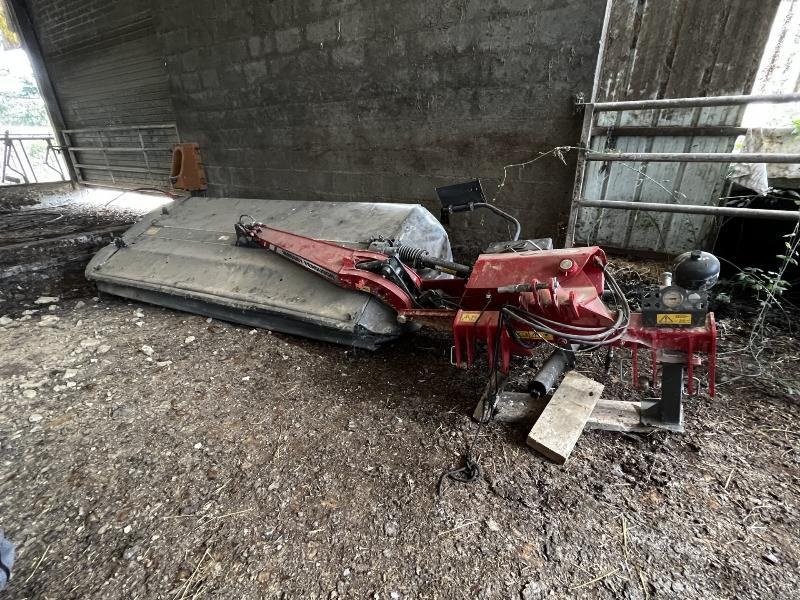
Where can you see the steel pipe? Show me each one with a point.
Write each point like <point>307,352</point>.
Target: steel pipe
<point>693,209</point>
<point>558,363</point>
<point>586,131</point>
<point>695,102</point>
<point>113,149</point>
<point>713,157</point>
<point>121,169</point>
<point>122,128</point>
<point>683,131</point>
<point>28,138</point>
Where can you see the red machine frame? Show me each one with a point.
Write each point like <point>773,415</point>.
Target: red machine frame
<point>564,286</point>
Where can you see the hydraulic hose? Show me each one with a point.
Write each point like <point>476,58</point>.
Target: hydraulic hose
<point>575,334</point>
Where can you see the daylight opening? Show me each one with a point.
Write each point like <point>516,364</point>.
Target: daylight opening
<point>779,71</point>
<point>30,152</point>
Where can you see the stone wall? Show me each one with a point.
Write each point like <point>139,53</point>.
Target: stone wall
<point>370,100</point>
<point>379,100</point>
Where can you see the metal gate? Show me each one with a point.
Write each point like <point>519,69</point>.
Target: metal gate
<point>125,156</point>
<point>31,158</point>
<point>653,162</point>
<point>111,85</point>
<point>594,177</point>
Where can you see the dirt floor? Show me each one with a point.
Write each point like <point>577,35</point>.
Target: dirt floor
<point>49,232</point>
<point>148,453</point>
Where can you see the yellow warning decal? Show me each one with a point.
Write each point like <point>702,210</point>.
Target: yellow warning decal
<point>535,335</point>
<point>470,317</point>
<point>152,230</point>
<point>673,319</point>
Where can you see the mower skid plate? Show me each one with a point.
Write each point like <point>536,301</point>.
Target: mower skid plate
<point>186,259</point>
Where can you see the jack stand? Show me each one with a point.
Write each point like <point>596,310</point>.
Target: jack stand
<point>667,412</point>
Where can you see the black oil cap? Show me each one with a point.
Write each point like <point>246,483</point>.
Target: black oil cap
<point>696,270</point>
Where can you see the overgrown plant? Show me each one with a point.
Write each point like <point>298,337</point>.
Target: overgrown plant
<point>770,285</point>
<point>764,284</point>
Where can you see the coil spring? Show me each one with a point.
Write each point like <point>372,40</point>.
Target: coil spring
<point>409,254</point>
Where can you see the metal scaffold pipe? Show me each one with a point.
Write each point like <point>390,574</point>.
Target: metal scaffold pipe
<point>695,102</point>
<point>691,209</point>
<point>717,157</point>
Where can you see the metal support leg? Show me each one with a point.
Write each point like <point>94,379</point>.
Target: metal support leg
<point>667,412</point>
<point>6,157</point>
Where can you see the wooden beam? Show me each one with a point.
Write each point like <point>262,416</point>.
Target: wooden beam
<point>608,415</point>
<point>617,415</point>
<point>557,430</point>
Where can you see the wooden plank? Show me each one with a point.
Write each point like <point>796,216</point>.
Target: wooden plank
<point>617,415</point>
<point>646,231</point>
<point>608,415</point>
<point>701,184</point>
<point>671,49</point>
<point>593,185</point>
<point>650,63</point>
<point>557,430</point>
<point>735,66</point>
<point>622,183</point>
<point>623,28</point>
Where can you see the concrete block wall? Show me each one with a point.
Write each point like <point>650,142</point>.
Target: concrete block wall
<point>381,100</point>
<point>103,60</point>
<point>63,25</point>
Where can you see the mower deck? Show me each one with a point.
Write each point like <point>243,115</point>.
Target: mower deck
<point>187,260</point>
